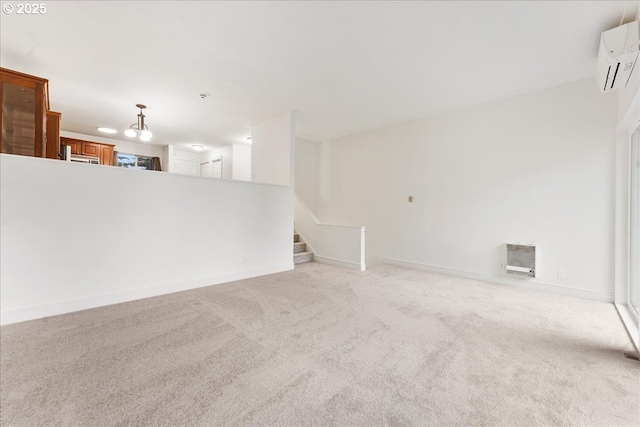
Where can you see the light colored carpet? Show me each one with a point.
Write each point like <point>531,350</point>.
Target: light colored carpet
<point>322,345</point>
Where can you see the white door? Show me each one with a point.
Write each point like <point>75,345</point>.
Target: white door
<point>205,169</point>
<point>217,167</point>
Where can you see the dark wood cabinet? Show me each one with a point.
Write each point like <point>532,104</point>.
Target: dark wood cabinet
<point>29,128</point>
<point>24,101</point>
<point>106,155</point>
<point>89,148</point>
<point>75,144</point>
<point>53,135</point>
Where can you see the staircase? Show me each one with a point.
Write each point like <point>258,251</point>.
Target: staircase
<point>300,253</point>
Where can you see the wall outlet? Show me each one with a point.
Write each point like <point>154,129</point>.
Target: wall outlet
<point>244,260</point>
<point>562,274</point>
<point>410,199</point>
<point>502,266</point>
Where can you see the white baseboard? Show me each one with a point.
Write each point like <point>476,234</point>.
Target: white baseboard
<point>346,264</point>
<point>629,324</point>
<point>61,307</point>
<point>527,283</point>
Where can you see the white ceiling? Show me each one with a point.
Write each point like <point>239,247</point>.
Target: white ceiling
<point>345,67</point>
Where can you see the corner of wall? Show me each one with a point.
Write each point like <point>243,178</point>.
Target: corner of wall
<point>273,150</point>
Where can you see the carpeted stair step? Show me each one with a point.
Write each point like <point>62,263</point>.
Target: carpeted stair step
<point>299,247</point>
<point>301,257</point>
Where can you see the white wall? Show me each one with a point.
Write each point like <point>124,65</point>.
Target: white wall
<point>167,155</point>
<point>118,234</point>
<point>342,245</point>
<point>627,97</point>
<point>241,162</point>
<point>129,147</point>
<point>184,162</point>
<point>536,168</point>
<point>307,172</point>
<point>272,146</point>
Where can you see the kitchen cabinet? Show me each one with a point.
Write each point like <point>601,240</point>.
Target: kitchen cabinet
<point>24,102</point>
<point>106,155</point>
<point>53,135</point>
<point>89,148</point>
<point>75,144</point>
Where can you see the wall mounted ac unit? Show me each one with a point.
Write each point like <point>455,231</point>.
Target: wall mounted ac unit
<point>618,56</point>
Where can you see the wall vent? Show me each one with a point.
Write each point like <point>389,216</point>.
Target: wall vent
<point>521,260</point>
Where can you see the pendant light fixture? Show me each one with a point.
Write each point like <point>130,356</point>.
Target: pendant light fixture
<point>139,129</point>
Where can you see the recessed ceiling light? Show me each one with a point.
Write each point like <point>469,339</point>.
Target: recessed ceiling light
<point>107,130</point>
<point>197,147</point>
